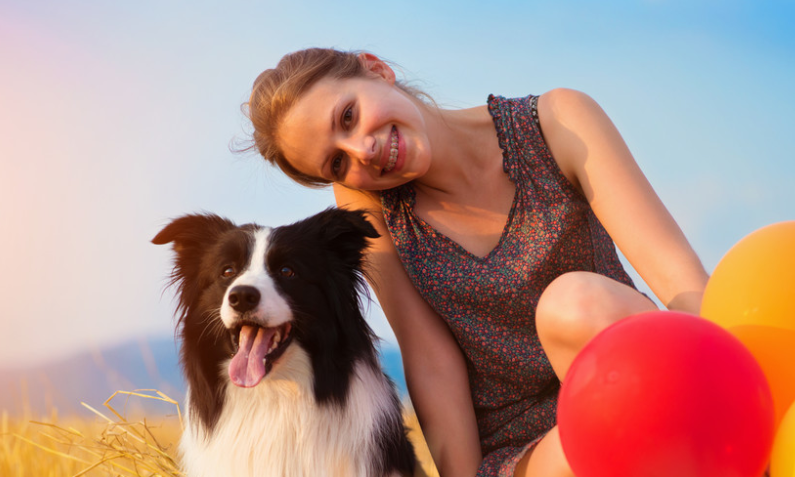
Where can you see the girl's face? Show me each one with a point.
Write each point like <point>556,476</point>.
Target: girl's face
<point>363,132</point>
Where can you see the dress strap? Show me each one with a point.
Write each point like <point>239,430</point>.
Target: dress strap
<point>534,111</point>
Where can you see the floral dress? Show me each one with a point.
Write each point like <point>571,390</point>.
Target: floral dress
<point>489,303</point>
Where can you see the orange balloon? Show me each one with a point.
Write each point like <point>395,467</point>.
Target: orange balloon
<point>774,350</point>
<point>754,283</point>
<point>782,461</point>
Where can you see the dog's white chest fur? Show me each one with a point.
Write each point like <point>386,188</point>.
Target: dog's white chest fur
<point>277,429</point>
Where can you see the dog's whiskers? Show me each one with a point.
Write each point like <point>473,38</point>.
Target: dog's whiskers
<point>213,324</point>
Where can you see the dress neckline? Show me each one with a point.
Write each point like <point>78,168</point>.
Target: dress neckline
<point>494,108</point>
<point>454,244</point>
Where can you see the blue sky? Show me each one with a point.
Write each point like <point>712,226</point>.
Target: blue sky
<point>116,116</point>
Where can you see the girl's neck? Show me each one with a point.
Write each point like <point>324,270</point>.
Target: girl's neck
<point>464,150</point>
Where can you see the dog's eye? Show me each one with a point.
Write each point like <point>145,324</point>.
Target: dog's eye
<point>228,272</point>
<point>286,272</point>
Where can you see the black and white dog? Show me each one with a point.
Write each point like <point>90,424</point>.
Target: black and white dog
<point>282,371</point>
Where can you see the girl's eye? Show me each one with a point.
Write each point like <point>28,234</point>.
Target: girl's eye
<point>347,117</point>
<point>286,272</point>
<point>228,272</point>
<point>336,166</point>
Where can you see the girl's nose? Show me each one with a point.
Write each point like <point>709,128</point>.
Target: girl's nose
<point>362,148</point>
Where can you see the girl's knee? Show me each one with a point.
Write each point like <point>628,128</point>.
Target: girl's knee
<point>563,307</point>
<point>546,459</point>
<point>578,305</point>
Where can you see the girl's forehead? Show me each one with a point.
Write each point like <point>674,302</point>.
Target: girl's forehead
<point>303,146</point>
<point>315,103</point>
<point>327,88</point>
<point>312,112</point>
<point>305,130</point>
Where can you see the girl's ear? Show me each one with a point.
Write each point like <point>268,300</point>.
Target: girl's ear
<point>376,65</point>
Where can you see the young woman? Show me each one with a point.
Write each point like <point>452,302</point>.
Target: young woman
<point>496,262</point>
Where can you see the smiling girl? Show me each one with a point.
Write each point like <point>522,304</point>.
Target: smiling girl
<point>496,262</point>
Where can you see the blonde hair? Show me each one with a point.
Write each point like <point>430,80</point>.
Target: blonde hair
<point>276,90</point>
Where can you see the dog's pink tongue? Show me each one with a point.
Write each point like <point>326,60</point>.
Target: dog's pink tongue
<point>247,368</point>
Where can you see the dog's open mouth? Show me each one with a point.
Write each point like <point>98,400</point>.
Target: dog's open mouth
<point>257,349</point>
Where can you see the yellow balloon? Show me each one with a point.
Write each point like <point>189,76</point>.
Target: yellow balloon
<point>782,461</point>
<point>754,283</point>
<point>774,350</point>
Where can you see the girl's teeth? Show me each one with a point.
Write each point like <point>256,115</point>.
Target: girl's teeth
<point>393,152</point>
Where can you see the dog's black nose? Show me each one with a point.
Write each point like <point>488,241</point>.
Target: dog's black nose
<point>243,298</point>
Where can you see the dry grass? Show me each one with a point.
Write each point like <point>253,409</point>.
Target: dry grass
<point>420,447</point>
<point>111,445</point>
<point>108,445</point>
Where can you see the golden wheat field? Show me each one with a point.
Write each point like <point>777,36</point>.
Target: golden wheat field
<point>110,444</point>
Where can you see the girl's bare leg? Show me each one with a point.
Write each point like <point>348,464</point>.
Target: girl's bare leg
<point>572,310</point>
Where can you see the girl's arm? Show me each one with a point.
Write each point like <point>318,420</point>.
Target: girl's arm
<point>434,365</point>
<point>592,155</point>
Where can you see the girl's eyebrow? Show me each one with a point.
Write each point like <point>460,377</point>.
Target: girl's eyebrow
<point>334,109</point>
<point>324,172</point>
<point>333,118</point>
<point>325,164</point>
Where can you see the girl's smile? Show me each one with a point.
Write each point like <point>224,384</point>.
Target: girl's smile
<point>394,153</point>
<point>361,132</point>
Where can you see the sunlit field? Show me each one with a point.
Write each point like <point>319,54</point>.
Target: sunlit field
<point>108,443</point>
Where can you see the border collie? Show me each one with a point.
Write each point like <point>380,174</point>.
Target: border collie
<point>282,371</point>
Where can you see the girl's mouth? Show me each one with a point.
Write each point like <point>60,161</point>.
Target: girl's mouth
<point>393,150</point>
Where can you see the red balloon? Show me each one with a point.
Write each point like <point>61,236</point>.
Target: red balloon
<point>666,394</point>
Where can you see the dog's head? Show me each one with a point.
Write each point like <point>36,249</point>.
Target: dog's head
<point>249,292</point>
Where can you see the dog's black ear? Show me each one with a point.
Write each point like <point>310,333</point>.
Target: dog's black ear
<point>190,231</point>
<point>346,232</point>
<point>347,221</point>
